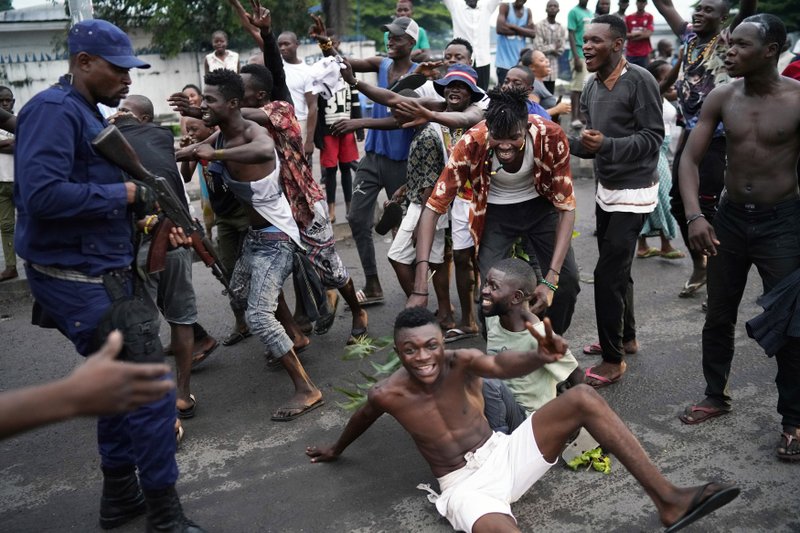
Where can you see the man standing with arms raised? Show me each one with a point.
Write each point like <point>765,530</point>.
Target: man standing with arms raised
<point>757,222</point>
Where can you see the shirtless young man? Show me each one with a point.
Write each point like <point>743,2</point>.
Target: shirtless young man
<point>244,154</point>
<point>757,219</point>
<point>704,41</point>
<point>436,397</point>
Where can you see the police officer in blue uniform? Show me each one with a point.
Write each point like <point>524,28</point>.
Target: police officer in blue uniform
<point>75,225</point>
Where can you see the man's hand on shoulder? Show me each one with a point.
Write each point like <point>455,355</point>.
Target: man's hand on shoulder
<point>552,347</point>
<point>321,455</point>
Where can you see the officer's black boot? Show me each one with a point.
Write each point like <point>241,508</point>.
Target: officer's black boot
<point>164,513</point>
<point>122,499</point>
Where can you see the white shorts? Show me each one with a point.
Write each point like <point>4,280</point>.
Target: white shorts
<point>496,475</point>
<point>459,224</point>
<point>402,249</point>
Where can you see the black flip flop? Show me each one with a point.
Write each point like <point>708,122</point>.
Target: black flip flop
<point>235,338</point>
<point>412,81</point>
<point>698,509</point>
<point>392,216</point>
<point>189,411</point>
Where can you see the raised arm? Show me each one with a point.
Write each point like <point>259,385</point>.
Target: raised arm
<point>424,111</point>
<point>701,234</point>
<point>746,9</point>
<point>319,32</point>
<point>671,15</point>
<point>361,421</point>
<point>262,19</point>
<point>512,364</point>
<point>245,20</point>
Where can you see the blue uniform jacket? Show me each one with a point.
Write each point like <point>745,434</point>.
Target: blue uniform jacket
<point>71,202</point>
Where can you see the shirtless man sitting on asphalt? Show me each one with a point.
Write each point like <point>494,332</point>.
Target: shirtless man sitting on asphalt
<point>757,218</point>
<point>436,397</point>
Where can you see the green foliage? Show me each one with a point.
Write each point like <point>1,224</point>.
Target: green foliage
<point>5,5</point>
<point>787,10</point>
<point>180,25</point>
<point>356,392</point>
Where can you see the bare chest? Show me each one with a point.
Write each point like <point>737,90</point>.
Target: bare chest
<point>768,121</point>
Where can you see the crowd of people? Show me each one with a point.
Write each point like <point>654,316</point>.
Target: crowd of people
<point>473,177</point>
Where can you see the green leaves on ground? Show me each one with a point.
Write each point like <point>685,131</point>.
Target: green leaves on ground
<point>592,459</point>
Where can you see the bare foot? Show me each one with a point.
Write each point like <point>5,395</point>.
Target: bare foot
<point>360,321</point>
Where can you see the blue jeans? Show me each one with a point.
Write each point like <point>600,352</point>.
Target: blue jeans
<point>502,411</point>
<point>266,261</point>
<point>144,437</point>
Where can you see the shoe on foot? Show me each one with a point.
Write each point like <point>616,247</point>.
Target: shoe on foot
<point>122,499</point>
<point>164,513</point>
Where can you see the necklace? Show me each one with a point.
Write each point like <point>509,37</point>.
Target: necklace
<point>691,60</point>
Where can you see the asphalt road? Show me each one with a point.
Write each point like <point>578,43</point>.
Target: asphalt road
<point>240,472</point>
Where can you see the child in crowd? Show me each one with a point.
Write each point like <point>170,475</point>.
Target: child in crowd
<point>221,57</point>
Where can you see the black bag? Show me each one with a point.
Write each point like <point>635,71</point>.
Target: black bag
<point>135,317</point>
<point>308,287</point>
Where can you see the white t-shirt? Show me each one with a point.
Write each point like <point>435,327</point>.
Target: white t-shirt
<point>299,81</point>
<point>6,160</point>
<point>513,188</point>
<point>474,26</point>
<point>231,61</point>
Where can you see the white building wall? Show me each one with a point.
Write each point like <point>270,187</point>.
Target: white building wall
<point>165,76</point>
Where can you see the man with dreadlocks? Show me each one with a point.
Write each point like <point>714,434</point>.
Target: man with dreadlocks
<point>518,166</point>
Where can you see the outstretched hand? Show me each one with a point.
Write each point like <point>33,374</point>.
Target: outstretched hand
<point>552,347</point>
<point>429,69</point>
<point>179,103</point>
<point>321,455</point>
<point>103,386</point>
<point>318,30</point>
<point>261,17</point>
<point>411,114</point>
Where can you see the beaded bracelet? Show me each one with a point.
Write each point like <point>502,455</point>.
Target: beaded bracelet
<point>548,285</point>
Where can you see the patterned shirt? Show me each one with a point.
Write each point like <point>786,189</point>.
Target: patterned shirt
<point>296,179</point>
<point>551,40</point>
<point>702,69</point>
<point>470,163</point>
<point>425,162</point>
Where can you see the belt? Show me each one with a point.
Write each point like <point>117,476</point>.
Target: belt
<point>269,235</point>
<point>71,275</point>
